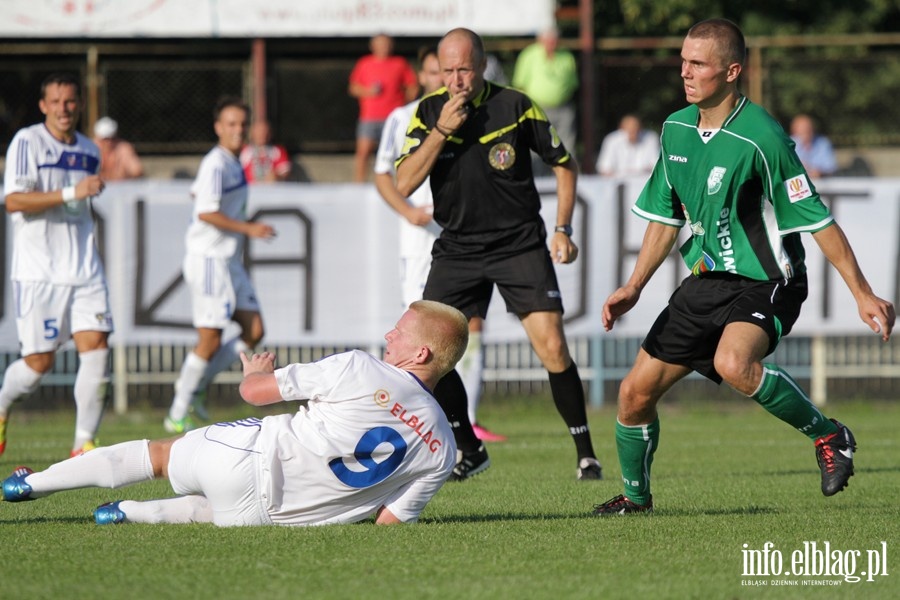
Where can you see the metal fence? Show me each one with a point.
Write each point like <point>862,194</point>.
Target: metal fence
<point>161,93</point>
<point>852,367</point>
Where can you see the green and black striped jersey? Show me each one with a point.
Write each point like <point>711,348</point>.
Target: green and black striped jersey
<point>742,191</point>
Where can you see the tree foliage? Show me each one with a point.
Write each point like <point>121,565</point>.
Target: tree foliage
<point>849,88</point>
<point>759,17</point>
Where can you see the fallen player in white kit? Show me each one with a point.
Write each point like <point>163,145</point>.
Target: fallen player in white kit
<point>372,441</point>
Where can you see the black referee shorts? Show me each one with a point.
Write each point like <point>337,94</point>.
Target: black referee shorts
<point>527,282</point>
<point>688,330</point>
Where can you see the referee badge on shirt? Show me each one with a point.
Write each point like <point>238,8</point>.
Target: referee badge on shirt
<point>502,156</point>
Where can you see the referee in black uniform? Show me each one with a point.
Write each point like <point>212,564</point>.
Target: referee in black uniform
<point>473,137</point>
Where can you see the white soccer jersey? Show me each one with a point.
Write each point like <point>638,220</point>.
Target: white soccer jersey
<point>371,435</point>
<point>220,186</point>
<point>56,245</point>
<point>415,241</point>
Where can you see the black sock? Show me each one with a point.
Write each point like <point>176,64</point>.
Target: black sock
<point>568,395</point>
<point>451,395</point>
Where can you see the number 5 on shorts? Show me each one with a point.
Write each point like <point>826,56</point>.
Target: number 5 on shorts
<point>51,331</point>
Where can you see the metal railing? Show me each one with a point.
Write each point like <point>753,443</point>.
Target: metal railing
<point>850,367</point>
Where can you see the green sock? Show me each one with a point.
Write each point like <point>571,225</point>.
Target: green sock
<point>779,394</point>
<point>636,446</point>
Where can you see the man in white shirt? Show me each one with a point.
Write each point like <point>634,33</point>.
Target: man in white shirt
<point>418,232</point>
<point>372,441</point>
<point>221,290</point>
<point>630,150</point>
<point>57,276</point>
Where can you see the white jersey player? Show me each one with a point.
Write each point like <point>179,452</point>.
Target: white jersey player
<point>418,231</point>
<point>221,291</point>
<point>57,276</point>
<point>372,441</point>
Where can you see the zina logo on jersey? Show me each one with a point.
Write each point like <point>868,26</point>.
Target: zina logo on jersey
<point>714,181</point>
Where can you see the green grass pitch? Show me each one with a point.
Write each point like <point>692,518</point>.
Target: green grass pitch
<point>727,474</point>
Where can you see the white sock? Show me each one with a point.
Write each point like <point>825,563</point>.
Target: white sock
<point>183,509</point>
<point>471,369</point>
<point>107,467</point>
<point>188,382</point>
<point>90,394</point>
<point>19,381</point>
<point>224,357</point>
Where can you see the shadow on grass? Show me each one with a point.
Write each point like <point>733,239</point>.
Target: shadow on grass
<point>713,512</point>
<point>489,518</point>
<point>39,520</point>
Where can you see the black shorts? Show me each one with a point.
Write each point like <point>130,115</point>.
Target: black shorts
<point>527,282</point>
<point>688,330</point>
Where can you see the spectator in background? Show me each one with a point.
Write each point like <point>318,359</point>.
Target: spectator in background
<point>629,150</point>
<point>381,82</point>
<point>118,160</point>
<point>263,161</point>
<point>814,150</point>
<point>549,76</point>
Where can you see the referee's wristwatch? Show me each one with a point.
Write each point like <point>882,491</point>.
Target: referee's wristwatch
<point>566,229</point>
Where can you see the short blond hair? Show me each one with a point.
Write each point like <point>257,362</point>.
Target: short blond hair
<point>444,330</point>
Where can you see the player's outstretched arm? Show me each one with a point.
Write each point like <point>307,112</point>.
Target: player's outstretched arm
<point>877,313</point>
<point>259,386</point>
<point>658,242</point>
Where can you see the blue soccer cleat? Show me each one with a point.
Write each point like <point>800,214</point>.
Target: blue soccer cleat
<point>109,514</point>
<point>14,487</point>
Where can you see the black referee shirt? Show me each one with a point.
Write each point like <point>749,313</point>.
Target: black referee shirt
<point>482,182</point>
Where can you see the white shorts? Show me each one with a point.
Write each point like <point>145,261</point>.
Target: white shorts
<point>47,315</point>
<point>218,288</point>
<point>413,274</point>
<point>220,463</point>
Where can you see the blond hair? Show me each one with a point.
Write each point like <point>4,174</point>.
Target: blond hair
<point>444,330</point>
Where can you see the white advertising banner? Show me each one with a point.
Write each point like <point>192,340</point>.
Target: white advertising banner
<point>272,18</point>
<point>331,275</point>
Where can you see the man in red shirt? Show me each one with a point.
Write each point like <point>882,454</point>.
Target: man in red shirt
<point>381,82</point>
<point>263,161</point>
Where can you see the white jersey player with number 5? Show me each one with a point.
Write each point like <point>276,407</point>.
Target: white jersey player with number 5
<point>371,441</point>
<point>57,277</point>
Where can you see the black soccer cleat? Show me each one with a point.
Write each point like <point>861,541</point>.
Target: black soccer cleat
<point>470,464</point>
<point>620,505</point>
<point>834,454</point>
<point>589,469</point>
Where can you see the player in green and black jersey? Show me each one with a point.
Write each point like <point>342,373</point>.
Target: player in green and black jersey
<point>728,171</point>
